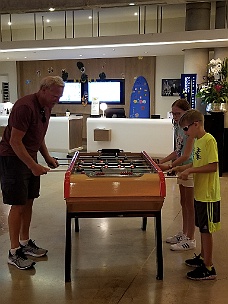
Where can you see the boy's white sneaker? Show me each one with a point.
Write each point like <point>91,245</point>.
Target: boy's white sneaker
<point>186,244</point>
<point>180,236</point>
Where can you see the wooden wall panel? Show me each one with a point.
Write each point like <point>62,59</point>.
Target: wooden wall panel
<point>31,72</point>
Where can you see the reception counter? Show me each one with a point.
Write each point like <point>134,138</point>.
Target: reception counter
<point>155,136</point>
<point>64,133</point>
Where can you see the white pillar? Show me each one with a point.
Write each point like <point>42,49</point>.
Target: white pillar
<point>198,16</point>
<point>196,62</point>
<point>220,52</point>
<point>221,14</point>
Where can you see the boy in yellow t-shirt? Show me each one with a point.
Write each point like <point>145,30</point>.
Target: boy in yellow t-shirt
<point>206,192</point>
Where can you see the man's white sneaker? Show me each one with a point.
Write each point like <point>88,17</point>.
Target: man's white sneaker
<point>186,244</point>
<point>180,236</point>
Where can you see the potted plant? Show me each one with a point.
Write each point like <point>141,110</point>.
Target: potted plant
<point>214,92</point>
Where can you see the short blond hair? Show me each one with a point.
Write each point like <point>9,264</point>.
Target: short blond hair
<point>191,116</point>
<point>49,81</point>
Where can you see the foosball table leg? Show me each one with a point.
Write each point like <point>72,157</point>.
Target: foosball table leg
<point>158,237</point>
<point>144,223</point>
<point>76,224</point>
<point>68,249</point>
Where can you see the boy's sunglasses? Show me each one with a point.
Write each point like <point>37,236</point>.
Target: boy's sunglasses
<point>187,127</point>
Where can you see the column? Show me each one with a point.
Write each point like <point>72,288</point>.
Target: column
<point>221,15</point>
<point>223,53</point>
<point>198,16</point>
<point>220,52</point>
<point>195,62</point>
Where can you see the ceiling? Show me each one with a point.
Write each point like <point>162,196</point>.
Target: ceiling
<point>12,6</point>
<point>105,47</point>
<point>122,46</point>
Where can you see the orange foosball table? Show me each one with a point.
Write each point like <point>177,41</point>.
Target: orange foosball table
<point>112,183</point>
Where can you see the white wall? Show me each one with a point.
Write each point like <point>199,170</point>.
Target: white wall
<point>9,69</point>
<point>167,67</point>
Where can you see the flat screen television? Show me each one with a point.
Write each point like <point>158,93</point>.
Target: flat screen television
<point>72,93</point>
<point>110,91</point>
<point>115,113</point>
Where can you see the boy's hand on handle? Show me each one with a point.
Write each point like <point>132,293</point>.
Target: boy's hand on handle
<point>184,175</point>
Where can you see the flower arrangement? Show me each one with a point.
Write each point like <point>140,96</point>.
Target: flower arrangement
<point>215,89</point>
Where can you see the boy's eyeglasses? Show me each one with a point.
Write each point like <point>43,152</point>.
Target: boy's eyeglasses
<point>187,127</point>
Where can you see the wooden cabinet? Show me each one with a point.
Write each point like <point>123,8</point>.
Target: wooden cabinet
<point>214,124</point>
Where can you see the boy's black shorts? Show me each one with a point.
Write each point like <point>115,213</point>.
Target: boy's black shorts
<point>207,216</point>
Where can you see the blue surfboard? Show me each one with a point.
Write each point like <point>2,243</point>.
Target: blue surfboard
<point>140,99</point>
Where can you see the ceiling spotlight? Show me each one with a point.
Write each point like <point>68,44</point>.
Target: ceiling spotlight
<point>9,23</point>
<point>131,4</point>
<point>51,9</point>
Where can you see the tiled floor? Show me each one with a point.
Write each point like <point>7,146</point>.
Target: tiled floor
<point>113,259</point>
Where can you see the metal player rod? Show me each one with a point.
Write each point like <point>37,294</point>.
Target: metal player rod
<point>65,158</point>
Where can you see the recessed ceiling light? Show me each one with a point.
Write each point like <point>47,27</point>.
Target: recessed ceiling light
<point>135,14</point>
<point>131,4</point>
<point>51,9</point>
<point>9,23</point>
<point>90,17</point>
<point>25,57</point>
<point>80,55</point>
<point>48,20</point>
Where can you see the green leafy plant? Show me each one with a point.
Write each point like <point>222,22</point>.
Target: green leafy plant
<point>215,89</point>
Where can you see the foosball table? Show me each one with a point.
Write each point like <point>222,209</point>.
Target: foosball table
<point>112,183</point>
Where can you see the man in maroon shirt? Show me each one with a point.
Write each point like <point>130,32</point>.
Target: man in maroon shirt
<point>19,169</point>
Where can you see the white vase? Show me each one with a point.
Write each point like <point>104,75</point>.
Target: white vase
<point>216,107</point>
